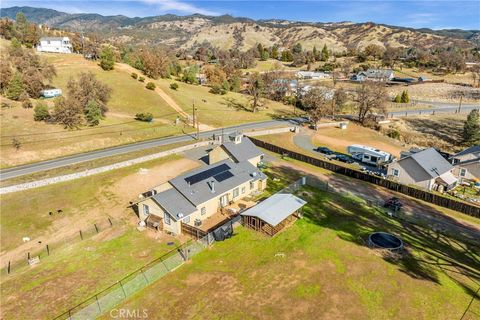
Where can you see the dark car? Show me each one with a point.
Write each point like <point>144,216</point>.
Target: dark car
<point>393,203</point>
<point>324,150</point>
<point>344,158</point>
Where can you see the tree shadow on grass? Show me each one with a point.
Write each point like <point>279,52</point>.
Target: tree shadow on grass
<point>427,253</point>
<point>234,104</point>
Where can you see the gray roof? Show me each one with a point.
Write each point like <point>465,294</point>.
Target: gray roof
<point>276,208</point>
<point>242,151</point>
<point>377,73</point>
<point>196,186</point>
<point>473,149</point>
<point>174,203</point>
<point>52,38</point>
<point>431,161</point>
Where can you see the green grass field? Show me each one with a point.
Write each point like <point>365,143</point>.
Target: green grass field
<point>320,268</point>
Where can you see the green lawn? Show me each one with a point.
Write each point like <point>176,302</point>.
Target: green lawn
<point>320,268</point>
<point>73,274</point>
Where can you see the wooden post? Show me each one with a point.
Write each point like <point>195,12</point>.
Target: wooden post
<point>96,228</point>
<point>81,235</point>
<point>48,250</point>
<point>111,224</point>
<point>98,304</point>
<point>28,256</point>
<point>8,268</point>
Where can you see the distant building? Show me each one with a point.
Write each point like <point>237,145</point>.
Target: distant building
<point>311,75</point>
<point>426,169</point>
<point>368,154</point>
<point>202,79</point>
<point>374,75</point>
<point>55,44</point>
<point>51,93</point>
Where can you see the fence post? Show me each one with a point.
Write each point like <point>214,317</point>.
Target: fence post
<point>96,228</point>
<point>111,224</point>
<point>8,268</point>
<point>28,256</point>
<point>48,250</point>
<point>124,293</point>
<point>81,235</point>
<point>98,304</point>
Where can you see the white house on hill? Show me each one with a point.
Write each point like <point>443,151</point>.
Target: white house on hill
<point>55,44</point>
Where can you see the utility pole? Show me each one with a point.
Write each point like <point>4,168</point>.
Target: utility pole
<point>198,128</point>
<point>193,112</point>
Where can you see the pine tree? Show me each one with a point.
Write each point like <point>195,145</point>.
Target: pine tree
<point>15,87</point>
<point>471,129</point>
<point>107,58</point>
<point>93,113</point>
<point>315,53</point>
<point>274,52</point>
<point>325,55</point>
<point>398,99</point>
<point>40,112</point>
<point>405,97</point>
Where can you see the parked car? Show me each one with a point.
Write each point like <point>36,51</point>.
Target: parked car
<point>344,158</point>
<point>325,150</point>
<point>393,203</point>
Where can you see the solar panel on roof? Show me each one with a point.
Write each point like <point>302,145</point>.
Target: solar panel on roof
<point>196,178</point>
<point>223,176</point>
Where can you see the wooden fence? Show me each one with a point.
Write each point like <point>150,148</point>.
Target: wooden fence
<point>436,199</point>
<point>192,231</point>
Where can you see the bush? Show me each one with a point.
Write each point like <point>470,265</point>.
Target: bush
<point>134,75</point>
<point>394,133</point>
<point>27,104</point>
<point>218,90</point>
<point>146,117</point>
<point>41,112</point>
<point>141,79</point>
<point>174,86</point>
<point>150,86</point>
<point>397,99</point>
<point>107,59</point>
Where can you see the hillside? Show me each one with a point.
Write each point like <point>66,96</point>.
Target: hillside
<point>241,33</point>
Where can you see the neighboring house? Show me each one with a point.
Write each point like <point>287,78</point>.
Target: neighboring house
<point>51,93</point>
<point>426,169</point>
<point>374,75</point>
<point>311,75</point>
<point>197,195</point>
<point>466,163</point>
<point>55,44</point>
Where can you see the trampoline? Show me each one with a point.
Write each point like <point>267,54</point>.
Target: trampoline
<point>384,240</point>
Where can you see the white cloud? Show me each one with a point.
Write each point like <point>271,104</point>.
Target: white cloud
<point>180,6</point>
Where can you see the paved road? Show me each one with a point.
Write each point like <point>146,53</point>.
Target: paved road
<point>93,155</point>
<point>437,107</point>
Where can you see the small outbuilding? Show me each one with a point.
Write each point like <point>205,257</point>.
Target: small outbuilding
<point>273,214</point>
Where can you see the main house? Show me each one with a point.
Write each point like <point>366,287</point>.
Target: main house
<point>55,44</point>
<point>374,75</point>
<point>231,175</point>
<point>426,169</point>
<point>466,163</point>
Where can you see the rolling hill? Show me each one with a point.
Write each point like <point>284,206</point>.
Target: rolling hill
<point>229,32</point>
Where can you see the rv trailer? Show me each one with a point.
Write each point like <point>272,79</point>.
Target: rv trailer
<point>369,155</point>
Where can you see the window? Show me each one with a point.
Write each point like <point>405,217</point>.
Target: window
<point>252,185</point>
<point>463,172</point>
<point>235,192</point>
<point>456,160</point>
<point>186,219</point>
<point>146,210</point>
<point>395,172</point>
<point>203,211</point>
<point>167,218</point>
<point>243,190</point>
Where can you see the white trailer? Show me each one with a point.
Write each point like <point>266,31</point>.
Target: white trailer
<point>369,155</point>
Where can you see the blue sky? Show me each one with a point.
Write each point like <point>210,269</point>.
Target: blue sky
<point>438,14</point>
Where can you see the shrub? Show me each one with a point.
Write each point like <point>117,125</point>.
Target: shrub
<point>41,112</point>
<point>397,99</point>
<point>218,90</point>
<point>150,86</point>
<point>141,79</point>
<point>146,117</point>
<point>27,104</point>
<point>134,75</point>
<point>394,133</point>
<point>107,59</point>
<point>405,98</point>
<point>174,86</point>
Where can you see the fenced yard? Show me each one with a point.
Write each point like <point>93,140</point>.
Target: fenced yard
<point>320,267</point>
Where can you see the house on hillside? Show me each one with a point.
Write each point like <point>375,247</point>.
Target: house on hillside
<point>204,197</point>
<point>426,169</point>
<point>55,44</point>
<point>374,75</point>
<point>311,75</point>
<point>466,163</point>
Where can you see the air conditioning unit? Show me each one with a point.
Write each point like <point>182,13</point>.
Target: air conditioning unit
<point>198,222</point>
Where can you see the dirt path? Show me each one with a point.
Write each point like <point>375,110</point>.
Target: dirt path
<point>169,100</point>
<point>413,209</point>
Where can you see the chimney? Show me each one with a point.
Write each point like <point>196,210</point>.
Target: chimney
<point>212,186</point>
